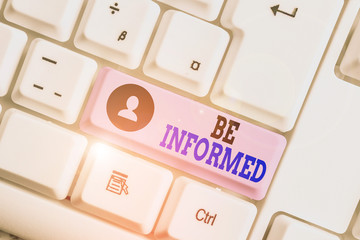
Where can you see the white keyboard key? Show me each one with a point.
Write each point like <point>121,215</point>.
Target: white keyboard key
<point>54,81</point>
<point>12,43</point>
<point>286,228</point>
<point>121,188</point>
<point>38,154</point>
<point>272,60</point>
<point>318,178</point>
<point>206,9</point>
<point>356,228</point>
<point>32,216</point>
<point>195,211</point>
<point>186,52</point>
<point>118,31</point>
<point>350,64</point>
<point>51,18</point>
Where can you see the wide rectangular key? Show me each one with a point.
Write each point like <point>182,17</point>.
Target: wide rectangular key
<point>275,52</point>
<point>318,179</point>
<point>182,133</point>
<point>32,216</point>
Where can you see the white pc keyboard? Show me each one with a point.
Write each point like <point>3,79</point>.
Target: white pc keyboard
<point>189,120</point>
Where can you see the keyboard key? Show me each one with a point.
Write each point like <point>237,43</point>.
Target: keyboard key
<point>121,188</point>
<point>196,138</point>
<point>350,64</point>
<point>273,57</point>
<point>54,81</point>
<point>12,43</point>
<point>206,9</point>
<point>186,52</point>
<point>318,179</point>
<point>54,18</point>
<point>39,164</point>
<point>118,31</point>
<point>32,216</point>
<point>286,228</point>
<point>196,211</point>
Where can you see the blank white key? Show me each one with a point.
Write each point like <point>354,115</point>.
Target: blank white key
<point>286,228</point>
<point>12,43</point>
<point>54,81</point>
<point>121,188</point>
<point>32,216</point>
<point>318,178</point>
<point>195,211</point>
<point>186,52</point>
<point>52,18</point>
<point>118,31</point>
<point>206,9</point>
<point>39,155</point>
<point>272,60</point>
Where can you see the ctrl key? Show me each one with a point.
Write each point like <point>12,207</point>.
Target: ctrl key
<point>196,211</point>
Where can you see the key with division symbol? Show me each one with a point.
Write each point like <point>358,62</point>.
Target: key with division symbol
<point>273,57</point>
<point>196,139</point>
<point>117,31</point>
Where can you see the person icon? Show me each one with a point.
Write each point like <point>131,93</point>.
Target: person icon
<point>130,107</point>
<point>128,113</point>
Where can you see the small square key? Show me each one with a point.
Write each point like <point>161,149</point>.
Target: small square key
<point>54,81</point>
<point>52,18</point>
<point>186,52</point>
<point>121,188</point>
<point>117,31</point>
<point>38,154</point>
<point>195,211</point>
